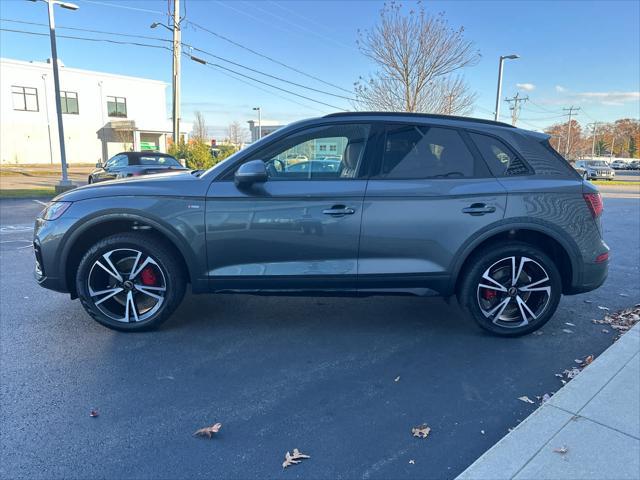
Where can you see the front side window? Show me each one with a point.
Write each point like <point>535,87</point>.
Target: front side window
<point>117,107</point>
<point>415,152</point>
<point>69,101</point>
<point>502,161</point>
<point>24,98</point>
<point>321,153</point>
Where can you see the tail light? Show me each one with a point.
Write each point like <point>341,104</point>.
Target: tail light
<point>594,202</point>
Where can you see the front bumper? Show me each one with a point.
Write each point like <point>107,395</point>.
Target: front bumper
<point>47,240</point>
<point>601,175</point>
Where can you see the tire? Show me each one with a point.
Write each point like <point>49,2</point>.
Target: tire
<point>130,281</point>
<point>486,292</point>
<point>585,175</point>
<point>89,181</point>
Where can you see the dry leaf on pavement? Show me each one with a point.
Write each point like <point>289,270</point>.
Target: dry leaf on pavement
<point>603,308</point>
<point>421,431</point>
<point>566,330</point>
<point>208,431</point>
<point>397,379</point>
<point>562,450</point>
<point>525,399</point>
<point>293,459</point>
<point>93,413</point>
<point>570,324</point>
<point>412,462</point>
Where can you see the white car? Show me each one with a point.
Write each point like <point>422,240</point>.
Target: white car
<point>619,165</point>
<point>595,169</point>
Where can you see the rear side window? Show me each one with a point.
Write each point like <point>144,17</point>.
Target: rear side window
<point>501,159</point>
<point>425,152</point>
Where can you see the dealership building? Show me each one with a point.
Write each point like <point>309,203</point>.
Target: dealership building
<point>102,113</point>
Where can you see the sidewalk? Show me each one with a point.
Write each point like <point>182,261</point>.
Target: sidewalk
<point>590,429</point>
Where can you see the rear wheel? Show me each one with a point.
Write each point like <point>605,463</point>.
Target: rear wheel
<point>130,282</point>
<point>511,290</point>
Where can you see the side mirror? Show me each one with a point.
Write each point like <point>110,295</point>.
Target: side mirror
<point>251,172</point>
<point>98,165</point>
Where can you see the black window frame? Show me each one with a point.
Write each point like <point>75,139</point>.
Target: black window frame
<point>115,100</point>
<point>64,97</point>
<point>479,162</point>
<point>506,143</point>
<point>363,168</point>
<point>24,95</point>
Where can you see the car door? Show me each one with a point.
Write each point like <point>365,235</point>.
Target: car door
<point>300,229</point>
<point>431,192</point>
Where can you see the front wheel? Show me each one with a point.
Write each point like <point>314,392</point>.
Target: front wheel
<point>130,281</point>
<point>511,290</point>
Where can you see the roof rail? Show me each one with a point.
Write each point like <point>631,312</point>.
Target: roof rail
<point>419,115</point>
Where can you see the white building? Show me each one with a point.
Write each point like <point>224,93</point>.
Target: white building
<point>103,114</point>
<point>267,127</point>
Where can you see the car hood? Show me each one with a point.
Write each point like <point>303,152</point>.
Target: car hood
<point>179,183</point>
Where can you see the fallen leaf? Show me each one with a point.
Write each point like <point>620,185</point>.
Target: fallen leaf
<point>397,379</point>
<point>587,361</point>
<point>293,459</point>
<point>208,431</point>
<point>538,332</point>
<point>526,399</point>
<point>623,294</point>
<point>570,324</point>
<point>545,398</point>
<point>421,431</point>
<point>588,301</point>
<point>412,462</point>
<point>562,450</point>
<point>93,413</point>
<point>482,432</point>
<point>566,330</point>
<point>603,308</point>
<point>604,330</point>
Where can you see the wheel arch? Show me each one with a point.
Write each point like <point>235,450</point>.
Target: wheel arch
<point>554,242</point>
<point>91,230</point>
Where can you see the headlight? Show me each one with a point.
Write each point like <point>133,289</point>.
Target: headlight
<point>54,210</point>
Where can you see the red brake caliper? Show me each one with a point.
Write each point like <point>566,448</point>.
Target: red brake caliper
<point>148,276</point>
<point>489,294</point>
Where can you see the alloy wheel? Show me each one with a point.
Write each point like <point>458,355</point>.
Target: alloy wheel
<point>514,291</point>
<point>127,285</point>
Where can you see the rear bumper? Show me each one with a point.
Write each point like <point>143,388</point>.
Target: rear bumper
<point>593,275</point>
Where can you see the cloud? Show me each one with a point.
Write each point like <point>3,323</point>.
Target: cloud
<point>560,89</point>
<point>609,98</point>
<point>528,87</point>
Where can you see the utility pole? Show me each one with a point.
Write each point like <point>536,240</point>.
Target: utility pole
<point>593,144</point>
<point>176,71</point>
<point>515,109</point>
<point>571,109</point>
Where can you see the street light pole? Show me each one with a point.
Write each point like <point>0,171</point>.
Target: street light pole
<point>65,183</point>
<point>176,71</point>
<point>259,121</point>
<point>499,93</point>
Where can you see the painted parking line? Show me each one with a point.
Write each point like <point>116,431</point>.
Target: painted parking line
<point>7,229</point>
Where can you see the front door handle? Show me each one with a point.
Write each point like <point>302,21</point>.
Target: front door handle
<point>477,209</point>
<point>339,211</point>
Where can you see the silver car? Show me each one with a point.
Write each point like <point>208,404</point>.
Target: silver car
<point>595,170</point>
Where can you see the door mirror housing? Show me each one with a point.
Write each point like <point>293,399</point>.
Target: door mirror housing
<point>251,172</point>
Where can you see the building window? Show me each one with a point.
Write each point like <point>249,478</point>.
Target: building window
<point>69,101</point>
<point>25,98</point>
<point>117,107</point>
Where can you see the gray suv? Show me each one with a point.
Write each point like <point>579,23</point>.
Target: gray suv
<point>406,204</point>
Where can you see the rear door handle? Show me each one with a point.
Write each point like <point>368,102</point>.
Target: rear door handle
<point>477,209</point>
<point>339,211</point>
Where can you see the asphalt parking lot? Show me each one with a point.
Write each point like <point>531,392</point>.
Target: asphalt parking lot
<point>317,374</point>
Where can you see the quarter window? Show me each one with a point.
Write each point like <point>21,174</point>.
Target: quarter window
<point>322,153</point>
<point>69,101</point>
<point>425,152</point>
<point>24,98</point>
<point>502,161</point>
<point>117,107</point>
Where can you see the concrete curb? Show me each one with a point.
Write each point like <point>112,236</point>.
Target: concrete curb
<point>596,416</point>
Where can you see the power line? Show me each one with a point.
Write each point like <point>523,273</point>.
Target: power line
<point>193,48</point>
<point>71,37</point>
<point>267,74</point>
<point>515,109</point>
<point>103,32</point>
<point>126,7</point>
<point>206,62</point>
<point>267,57</point>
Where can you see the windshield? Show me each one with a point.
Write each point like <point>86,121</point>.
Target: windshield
<point>597,163</point>
<point>158,160</point>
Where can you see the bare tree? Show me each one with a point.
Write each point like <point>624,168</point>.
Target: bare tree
<point>200,130</point>
<point>236,133</point>
<point>417,56</point>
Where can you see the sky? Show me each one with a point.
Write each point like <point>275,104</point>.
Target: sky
<point>580,53</point>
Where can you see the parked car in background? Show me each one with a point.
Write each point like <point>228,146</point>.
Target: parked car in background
<point>596,170</point>
<point>134,164</point>
<point>419,204</point>
<point>635,165</point>
<point>620,165</point>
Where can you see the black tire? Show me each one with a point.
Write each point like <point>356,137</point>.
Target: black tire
<point>120,252</point>
<point>89,180</point>
<point>494,261</point>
